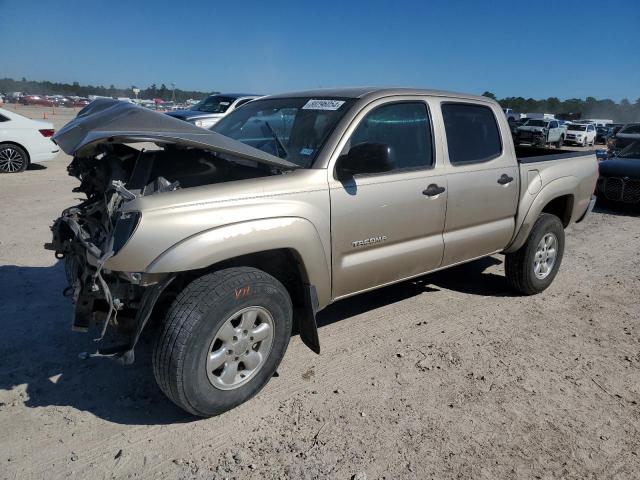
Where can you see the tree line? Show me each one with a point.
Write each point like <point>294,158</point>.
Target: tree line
<point>75,89</point>
<point>621,112</point>
<point>624,111</point>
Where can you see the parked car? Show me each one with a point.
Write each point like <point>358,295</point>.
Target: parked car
<point>581,134</point>
<point>512,117</point>
<point>598,122</point>
<point>60,101</point>
<point>36,100</point>
<point>256,225</point>
<point>541,132</point>
<point>619,179</point>
<point>603,134</point>
<point>81,102</point>
<point>627,135</point>
<point>207,112</point>
<point>24,141</point>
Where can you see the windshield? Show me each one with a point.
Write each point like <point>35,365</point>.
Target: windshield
<point>577,128</point>
<point>632,151</point>
<point>214,104</point>
<point>294,129</point>
<point>536,123</point>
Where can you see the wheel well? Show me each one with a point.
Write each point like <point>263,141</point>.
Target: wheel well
<point>18,145</point>
<point>561,207</point>
<point>284,264</point>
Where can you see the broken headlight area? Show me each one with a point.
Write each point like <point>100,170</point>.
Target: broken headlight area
<point>103,298</point>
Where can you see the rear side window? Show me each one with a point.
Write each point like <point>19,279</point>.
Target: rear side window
<point>3,118</point>
<point>405,127</point>
<point>472,133</point>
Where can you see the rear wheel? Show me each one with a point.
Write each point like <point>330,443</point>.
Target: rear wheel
<point>532,268</point>
<point>13,159</point>
<point>560,142</point>
<point>222,340</point>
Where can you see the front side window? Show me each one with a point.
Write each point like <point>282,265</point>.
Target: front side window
<point>404,127</point>
<point>3,118</point>
<point>472,133</point>
<point>294,129</point>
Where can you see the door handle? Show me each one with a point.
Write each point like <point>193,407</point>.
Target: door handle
<point>505,179</point>
<point>433,190</point>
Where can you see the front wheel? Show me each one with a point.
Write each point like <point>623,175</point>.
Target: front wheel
<point>560,142</point>
<point>532,268</point>
<point>222,340</point>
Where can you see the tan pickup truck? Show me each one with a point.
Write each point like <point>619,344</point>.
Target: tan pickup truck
<point>231,239</point>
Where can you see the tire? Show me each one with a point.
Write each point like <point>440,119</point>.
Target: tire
<point>560,142</point>
<point>520,265</point>
<point>193,326</point>
<point>13,159</point>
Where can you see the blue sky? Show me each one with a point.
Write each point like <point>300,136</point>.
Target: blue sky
<point>562,48</point>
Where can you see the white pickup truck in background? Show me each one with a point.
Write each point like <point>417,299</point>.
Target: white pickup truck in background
<point>541,132</point>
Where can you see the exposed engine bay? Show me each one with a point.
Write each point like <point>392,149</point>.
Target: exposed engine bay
<point>88,234</point>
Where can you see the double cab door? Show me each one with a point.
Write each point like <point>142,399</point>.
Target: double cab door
<point>421,212</point>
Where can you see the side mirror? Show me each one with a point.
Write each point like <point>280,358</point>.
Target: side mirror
<point>365,158</point>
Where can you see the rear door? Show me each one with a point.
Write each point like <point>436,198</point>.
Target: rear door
<point>388,226</point>
<point>482,181</point>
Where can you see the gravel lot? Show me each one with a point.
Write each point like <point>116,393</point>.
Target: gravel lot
<point>448,376</point>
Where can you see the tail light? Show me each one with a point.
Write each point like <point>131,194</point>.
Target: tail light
<point>47,132</point>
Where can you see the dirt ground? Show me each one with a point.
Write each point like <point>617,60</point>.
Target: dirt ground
<point>448,376</point>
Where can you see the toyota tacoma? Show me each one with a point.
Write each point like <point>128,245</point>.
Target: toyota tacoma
<point>227,240</point>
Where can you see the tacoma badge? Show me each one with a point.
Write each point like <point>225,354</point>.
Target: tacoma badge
<point>369,241</point>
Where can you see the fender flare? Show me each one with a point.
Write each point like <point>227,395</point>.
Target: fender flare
<point>554,189</point>
<point>233,240</point>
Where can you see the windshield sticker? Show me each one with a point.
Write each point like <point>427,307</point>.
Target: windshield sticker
<point>306,151</point>
<point>323,104</point>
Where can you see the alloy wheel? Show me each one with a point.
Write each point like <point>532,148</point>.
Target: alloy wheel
<point>545,256</point>
<point>240,348</point>
<point>11,160</point>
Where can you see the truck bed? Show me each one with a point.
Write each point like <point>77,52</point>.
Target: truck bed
<point>526,154</point>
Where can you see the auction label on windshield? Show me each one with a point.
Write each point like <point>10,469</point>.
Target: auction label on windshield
<point>323,104</point>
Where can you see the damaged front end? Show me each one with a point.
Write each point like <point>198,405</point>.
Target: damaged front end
<point>86,235</point>
<point>112,173</point>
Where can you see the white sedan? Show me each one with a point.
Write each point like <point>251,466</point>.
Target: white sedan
<point>24,141</point>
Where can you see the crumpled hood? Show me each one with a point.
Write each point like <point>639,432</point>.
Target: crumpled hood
<point>620,167</point>
<point>112,121</point>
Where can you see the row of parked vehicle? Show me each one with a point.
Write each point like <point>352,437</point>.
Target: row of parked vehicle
<point>47,100</point>
<point>550,131</point>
